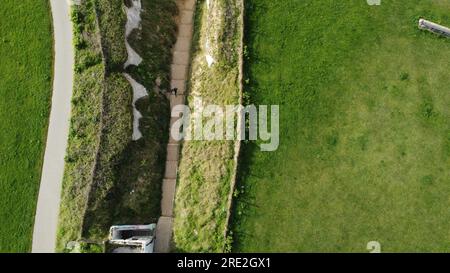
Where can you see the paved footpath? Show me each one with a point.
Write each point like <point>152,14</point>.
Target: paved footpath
<point>179,75</point>
<point>46,219</point>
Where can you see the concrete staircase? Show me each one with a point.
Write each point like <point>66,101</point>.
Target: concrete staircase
<point>179,74</point>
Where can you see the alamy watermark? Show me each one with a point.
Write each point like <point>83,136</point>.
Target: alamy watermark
<point>230,122</point>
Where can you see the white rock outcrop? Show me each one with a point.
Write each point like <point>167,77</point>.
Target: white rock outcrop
<point>139,91</point>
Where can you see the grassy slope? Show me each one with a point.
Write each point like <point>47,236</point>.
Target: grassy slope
<point>85,124</point>
<point>206,167</point>
<point>365,131</point>
<point>128,180</point>
<point>143,161</point>
<point>25,91</point>
<point>127,174</point>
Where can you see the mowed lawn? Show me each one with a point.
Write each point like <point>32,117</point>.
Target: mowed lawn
<point>25,92</point>
<point>365,128</point>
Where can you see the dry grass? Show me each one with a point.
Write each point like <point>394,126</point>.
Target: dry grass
<point>206,167</point>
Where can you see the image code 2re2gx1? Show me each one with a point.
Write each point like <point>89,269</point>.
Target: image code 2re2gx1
<point>224,262</point>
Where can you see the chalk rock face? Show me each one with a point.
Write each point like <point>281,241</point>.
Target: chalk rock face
<point>133,22</point>
<point>139,91</point>
<point>133,57</point>
<point>133,16</point>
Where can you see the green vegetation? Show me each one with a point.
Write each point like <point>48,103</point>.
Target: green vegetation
<point>365,129</point>
<point>154,42</point>
<point>88,247</point>
<point>109,178</point>
<point>91,248</point>
<point>111,20</point>
<point>116,127</point>
<point>206,167</point>
<point>25,89</point>
<point>84,134</point>
<point>137,197</point>
<point>128,184</point>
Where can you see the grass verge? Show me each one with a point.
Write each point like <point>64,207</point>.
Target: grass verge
<point>85,128</point>
<point>206,167</point>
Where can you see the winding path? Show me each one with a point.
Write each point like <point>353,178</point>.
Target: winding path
<point>46,219</point>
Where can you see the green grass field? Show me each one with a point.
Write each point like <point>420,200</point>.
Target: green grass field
<point>25,92</point>
<point>364,128</point>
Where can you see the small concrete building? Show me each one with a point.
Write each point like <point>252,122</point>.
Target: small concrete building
<point>131,239</point>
